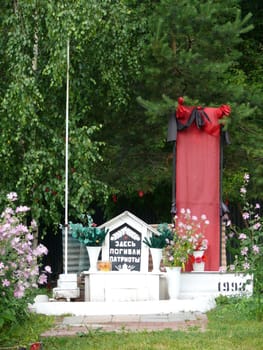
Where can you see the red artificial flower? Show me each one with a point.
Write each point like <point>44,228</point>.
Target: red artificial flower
<point>192,259</point>
<point>180,100</point>
<point>225,109</point>
<point>36,346</point>
<point>198,259</point>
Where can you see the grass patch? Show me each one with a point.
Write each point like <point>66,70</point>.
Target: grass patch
<point>231,326</point>
<point>166,340</point>
<point>26,332</point>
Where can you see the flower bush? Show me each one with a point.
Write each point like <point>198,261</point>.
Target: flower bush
<point>90,235</point>
<point>187,236</point>
<point>245,244</point>
<point>199,242</point>
<point>177,251</point>
<point>19,261</point>
<point>248,246</point>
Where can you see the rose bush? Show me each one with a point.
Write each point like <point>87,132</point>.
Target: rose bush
<point>20,262</point>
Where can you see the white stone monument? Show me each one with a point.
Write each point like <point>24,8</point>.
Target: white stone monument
<point>124,246</point>
<point>129,279</point>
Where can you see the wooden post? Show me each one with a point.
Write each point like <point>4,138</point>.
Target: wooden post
<point>223,245</point>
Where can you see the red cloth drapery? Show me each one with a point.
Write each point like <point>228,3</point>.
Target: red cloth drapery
<point>198,172</point>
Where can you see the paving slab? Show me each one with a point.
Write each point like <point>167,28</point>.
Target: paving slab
<point>183,316</point>
<point>73,325</point>
<point>126,318</point>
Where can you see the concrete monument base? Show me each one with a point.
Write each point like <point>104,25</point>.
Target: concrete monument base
<point>197,294</point>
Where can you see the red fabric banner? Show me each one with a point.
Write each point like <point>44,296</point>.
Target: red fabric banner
<point>198,172</point>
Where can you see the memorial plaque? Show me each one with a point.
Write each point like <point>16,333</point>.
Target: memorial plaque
<point>125,248</point>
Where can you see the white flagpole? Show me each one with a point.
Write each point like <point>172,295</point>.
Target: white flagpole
<point>66,166</point>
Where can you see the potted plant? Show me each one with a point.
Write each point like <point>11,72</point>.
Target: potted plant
<point>175,257</point>
<point>157,243</point>
<point>91,236</point>
<point>186,238</point>
<point>198,241</point>
<point>178,249</point>
<point>200,245</point>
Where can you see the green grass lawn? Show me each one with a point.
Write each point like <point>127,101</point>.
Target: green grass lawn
<point>230,326</point>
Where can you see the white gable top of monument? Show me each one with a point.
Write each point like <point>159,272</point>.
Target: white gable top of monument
<point>124,246</point>
<point>128,217</point>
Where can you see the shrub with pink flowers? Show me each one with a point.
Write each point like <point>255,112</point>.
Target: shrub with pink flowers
<point>249,238</point>
<point>246,242</point>
<point>20,261</point>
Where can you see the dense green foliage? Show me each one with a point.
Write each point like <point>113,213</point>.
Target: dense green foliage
<point>206,51</point>
<point>33,108</point>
